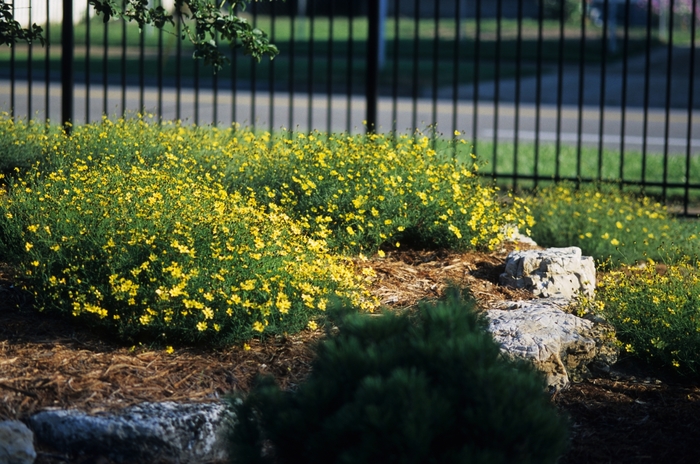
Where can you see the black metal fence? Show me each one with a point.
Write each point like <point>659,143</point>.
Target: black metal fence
<point>585,90</point>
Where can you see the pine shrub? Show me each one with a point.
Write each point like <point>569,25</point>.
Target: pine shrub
<point>428,388</point>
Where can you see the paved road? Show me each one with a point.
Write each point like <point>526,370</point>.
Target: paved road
<point>284,110</point>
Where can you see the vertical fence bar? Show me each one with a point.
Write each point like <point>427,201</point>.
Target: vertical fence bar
<point>273,20</point>
<point>30,47</point>
<point>623,103</point>
<point>455,73</point>
<point>372,65</point>
<point>292,44</point>
<point>47,64</point>
<point>87,63</point>
<point>560,89</point>
<point>329,69</point>
<point>395,74</point>
<point>497,84</point>
<point>12,72</point>
<point>348,120</point>
<point>416,41</point>
<point>538,92</point>
<point>67,70</point>
<point>253,78</point>
<point>436,51</point>
<point>215,95</point>
<point>234,68</point>
<point>123,70</point>
<point>691,88</point>
<point>603,73</point>
<point>178,68</point>
<point>105,61</point>
<point>142,71</point>
<point>581,77</point>
<point>161,64</point>
<point>123,62</point>
<point>475,97</point>
<point>518,77</point>
<point>667,121</point>
<point>195,84</point>
<point>310,76</point>
<point>647,68</point>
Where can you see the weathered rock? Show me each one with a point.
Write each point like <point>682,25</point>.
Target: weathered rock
<point>16,443</point>
<point>559,344</point>
<point>150,432</point>
<point>552,272</point>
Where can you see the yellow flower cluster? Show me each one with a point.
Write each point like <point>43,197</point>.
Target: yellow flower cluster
<point>606,222</point>
<point>133,227</point>
<point>363,192</point>
<point>656,312</point>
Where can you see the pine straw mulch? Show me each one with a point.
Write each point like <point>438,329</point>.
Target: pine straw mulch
<point>625,416</point>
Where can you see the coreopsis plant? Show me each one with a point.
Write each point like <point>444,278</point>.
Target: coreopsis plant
<point>608,223</point>
<point>370,193</point>
<point>131,230</point>
<point>655,311</point>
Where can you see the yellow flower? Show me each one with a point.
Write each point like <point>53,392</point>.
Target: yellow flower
<point>28,246</point>
<point>381,254</point>
<point>615,242</point>
<point>258,327</point>
<point>202,326</point>
<point>169,349</point>
<point>312,325</point>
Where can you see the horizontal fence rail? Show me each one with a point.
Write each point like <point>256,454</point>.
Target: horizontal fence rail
<point>581,90</point>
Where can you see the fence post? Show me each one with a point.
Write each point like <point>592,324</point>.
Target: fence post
<point>372,89</point>
<point>67,75</point>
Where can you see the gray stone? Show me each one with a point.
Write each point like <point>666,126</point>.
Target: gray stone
<point>559,344</point>
<point>16,443</point>
<point>150,432</point>
<point>551,272</point>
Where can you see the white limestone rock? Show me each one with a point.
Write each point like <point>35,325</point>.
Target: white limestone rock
<point>560,272</point>
<point>559,344</point>
<point>150,432</point>
<point>16,443</point>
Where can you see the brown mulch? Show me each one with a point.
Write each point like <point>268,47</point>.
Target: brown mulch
<point>628,415</point>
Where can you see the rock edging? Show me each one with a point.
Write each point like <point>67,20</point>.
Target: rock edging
<point>543,331</point>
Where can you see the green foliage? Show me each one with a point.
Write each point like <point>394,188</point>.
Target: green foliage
<point>396,389</point>
<point>655,313</point>
<point>22,143</point>
<point>365,192</point>
<point>127,227</point>
<point>11,31</point>
<point>608,223</point>
<point>210,26</point>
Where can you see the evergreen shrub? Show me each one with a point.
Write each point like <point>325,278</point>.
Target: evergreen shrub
<point>428,388</point>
